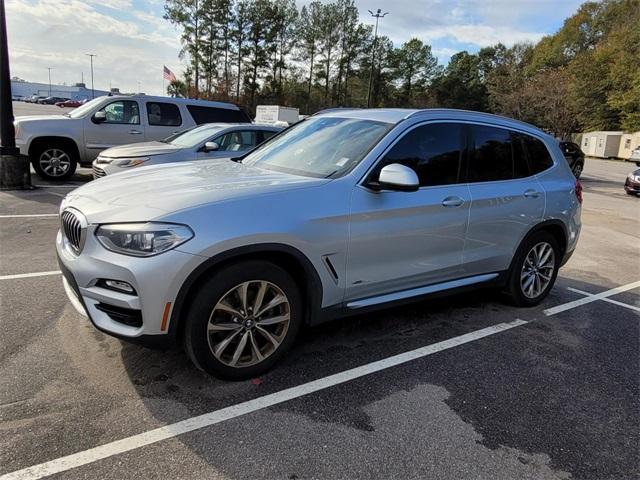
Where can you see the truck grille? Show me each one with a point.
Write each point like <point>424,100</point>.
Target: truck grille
<point>98,172</point>
<point>72,229</point>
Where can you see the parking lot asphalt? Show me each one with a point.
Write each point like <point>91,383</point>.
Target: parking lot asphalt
<point>550,397</point>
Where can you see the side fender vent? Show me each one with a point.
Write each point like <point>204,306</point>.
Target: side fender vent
<point>330,268</point>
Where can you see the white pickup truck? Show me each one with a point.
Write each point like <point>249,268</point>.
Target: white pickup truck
<point>57,144</point>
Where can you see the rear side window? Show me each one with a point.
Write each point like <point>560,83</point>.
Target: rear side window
<point>539,157</point>
<point>433,151</point>
<point>267,134</point>
<point>238,141</point>
<point>163,114</point>
<point>214,115</point>
<point>495,154</point>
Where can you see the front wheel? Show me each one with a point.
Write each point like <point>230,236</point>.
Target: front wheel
<point>534,269</point>
<point>54,162</point>
<point>243,320</point>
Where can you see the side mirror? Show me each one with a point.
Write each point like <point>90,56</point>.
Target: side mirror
<point>398,177</point>
<point>637,164</point>
<point>211,146</point>
<point>99,117</point>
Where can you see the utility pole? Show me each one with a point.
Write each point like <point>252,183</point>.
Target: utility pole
<point>14,168</point>
<point>91,55</point>
<point>378,16</point>
<point>49,69</point>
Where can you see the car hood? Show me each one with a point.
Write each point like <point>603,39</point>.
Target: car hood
<point>37,118</point>
<point>144,149</point>
<point>152,192</point>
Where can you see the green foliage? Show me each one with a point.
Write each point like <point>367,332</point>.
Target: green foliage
<point>461,85</point>
<point>586,76</point>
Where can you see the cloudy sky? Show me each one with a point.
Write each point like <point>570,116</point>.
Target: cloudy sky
<point>132,42</point>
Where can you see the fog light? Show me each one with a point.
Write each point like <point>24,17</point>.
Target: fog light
<point>119,286</point>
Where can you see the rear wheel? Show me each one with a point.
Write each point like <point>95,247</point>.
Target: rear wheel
<point>534,269</point>
<point>577,169</point>
<point>54,161</point>
<point>243,320</point>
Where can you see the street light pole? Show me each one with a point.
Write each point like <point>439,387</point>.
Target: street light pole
<point>14,168</point>
<point>49,69</point>
<point>91,55</point>
<point>378,16</point>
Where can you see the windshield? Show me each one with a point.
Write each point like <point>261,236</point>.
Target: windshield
<point>320,147</point>
<point>194,136</point>
<point>82,110</point>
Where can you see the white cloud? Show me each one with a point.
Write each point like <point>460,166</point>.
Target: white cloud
<point>57,33</point>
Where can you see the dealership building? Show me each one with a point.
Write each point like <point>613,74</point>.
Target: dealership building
<point>79,91</point>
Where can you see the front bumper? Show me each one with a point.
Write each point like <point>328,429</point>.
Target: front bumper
<point>103,169</point>
<point>23,146</point>
<point>631,186</point>
<point>156,281</point>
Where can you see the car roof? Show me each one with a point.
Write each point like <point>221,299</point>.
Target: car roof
<point>397,115</point>
<point>185,101</point>
<point>249,126</point>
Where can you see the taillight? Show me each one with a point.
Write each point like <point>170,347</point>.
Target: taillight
<point>578,190</point>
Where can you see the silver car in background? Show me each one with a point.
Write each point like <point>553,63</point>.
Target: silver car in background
<point>344,212</point>
<point>212,140</point>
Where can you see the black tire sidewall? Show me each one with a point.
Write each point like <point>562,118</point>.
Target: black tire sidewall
<point>514,287</point>
<point>35,161</point>
<point>210,292</point>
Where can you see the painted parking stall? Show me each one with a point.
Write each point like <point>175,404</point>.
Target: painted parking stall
<point>119,411</point>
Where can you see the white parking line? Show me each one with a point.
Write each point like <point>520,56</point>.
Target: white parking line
<point>608,300</point>
<point>29,275</point>
<point>598,296</point>
<point>31,215</point>
<point>152,436</point>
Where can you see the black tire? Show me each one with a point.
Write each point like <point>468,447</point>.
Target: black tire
<point>214,289</point>
<point>577,169</point>
<point>57,150</point>
<point>514,285</point>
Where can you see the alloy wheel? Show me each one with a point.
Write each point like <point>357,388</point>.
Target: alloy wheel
<point>55,162</point>
<point>577,170</point>
<point>537,270</point>
<point>248,323</point>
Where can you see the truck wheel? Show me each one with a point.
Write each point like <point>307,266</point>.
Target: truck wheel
<point>54,161</point>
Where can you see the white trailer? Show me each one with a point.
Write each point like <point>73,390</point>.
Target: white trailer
<point>601,144</point>
<point>272,114</point>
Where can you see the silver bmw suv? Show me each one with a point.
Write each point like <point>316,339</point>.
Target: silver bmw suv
<point>346,211</point>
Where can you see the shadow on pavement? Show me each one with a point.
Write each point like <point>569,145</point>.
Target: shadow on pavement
<point>554,387</point>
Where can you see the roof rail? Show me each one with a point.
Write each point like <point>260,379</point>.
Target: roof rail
<point>471,112</point>
<point>335,109</point>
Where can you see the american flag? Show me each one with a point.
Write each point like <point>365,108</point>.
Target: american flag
<point>168,74</point>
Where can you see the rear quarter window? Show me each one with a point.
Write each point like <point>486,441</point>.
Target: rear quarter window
<point>202,115</point>
<point>538,154</point>
<point>163,114</point>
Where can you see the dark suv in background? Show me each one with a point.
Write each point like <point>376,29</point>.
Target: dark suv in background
<point>574,156</point>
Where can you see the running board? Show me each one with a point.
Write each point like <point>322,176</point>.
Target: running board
<point>416,292</point>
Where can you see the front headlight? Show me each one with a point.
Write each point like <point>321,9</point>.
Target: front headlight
<point>129,162</point>
<point>142,239</point>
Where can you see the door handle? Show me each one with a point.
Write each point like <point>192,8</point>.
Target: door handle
<point>531,193</point>
<point>135,132</point>
<point>452,202</point>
